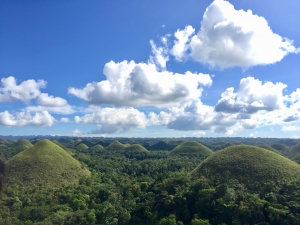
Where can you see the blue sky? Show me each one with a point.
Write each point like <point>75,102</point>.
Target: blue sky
<point>150,68</point>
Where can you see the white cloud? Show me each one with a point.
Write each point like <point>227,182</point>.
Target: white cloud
<point>199,133</point>
<point>27,90</point>
<point>230,37</point>
<point>67,109</point>
<point>64,120</point>
<point>49,101</point>
<point>140,84</point>
<point>181,45</point>
<point>110,120</point>
<point>159,55</point>
<point>252,96</point>
<point>255,104</point>
<point>26,119</point>
<point>78,133</point>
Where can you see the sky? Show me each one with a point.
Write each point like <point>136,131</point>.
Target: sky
<point>150,68</point>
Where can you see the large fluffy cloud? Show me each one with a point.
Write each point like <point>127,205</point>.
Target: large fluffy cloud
<point>110,120</point>
<point>230,37</point>
<point>255,104</point>
<point>252,95</point>
<point>26,119</point>
<point>27,90</point>
<point>140,84</point>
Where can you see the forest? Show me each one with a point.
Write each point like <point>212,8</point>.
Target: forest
<point>149,181</point>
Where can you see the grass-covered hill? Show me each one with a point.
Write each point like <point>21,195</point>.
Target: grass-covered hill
<point>268,148</point>
<point>97,147</point>
<point>280,147</point>
<point>17,147</point>
<point>249,165</point>
<point>296,149</point>
<point>135,148</point>
<point>192,147</point>
<point>44,164</point>
<point>62,146</point>
<point>116,146</point>
<point>81,146</point>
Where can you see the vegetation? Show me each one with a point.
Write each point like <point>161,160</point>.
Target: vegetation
<point>137,184</point>
<point>296,149</point>
<point>249,165</point>
<point>136,148</point>
<point>192,147</point>
<point>44,164</point>
<point>17,147</point>
<point>280,147</point>
<point>115,146</point>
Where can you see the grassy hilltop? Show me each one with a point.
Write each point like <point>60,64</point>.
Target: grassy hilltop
<point>192,147</point>
<point>18,147</point>
<point>250,165</point>
<point>44,164</point>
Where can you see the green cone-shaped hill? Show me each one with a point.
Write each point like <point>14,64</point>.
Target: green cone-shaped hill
<point>250,165</point>
<point>115,146</point>
<point>192,147</point>
<point>18,147</point>
<point>280,147</point>
<point>44,164</point>
<point>136,148</point>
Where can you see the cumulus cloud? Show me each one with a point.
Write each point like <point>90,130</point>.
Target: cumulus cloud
<point>255,104</point>
<point>230,37</point>
<point>78,133</point>
<point>159,55</point>
<point>27,90</point>
<point>49,101</point>
<point>26,119</point>
<point>110,120</point>
<point>64,120</point>
<point>252,96</point>
<point>140,84</point>
<point>181,44</point>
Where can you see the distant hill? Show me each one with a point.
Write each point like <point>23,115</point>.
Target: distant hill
<point>115,146</point>
<point>44,164</point>
<point>280,147</point>
<point>268,148</point>
<point>17,147</point>
<point>81,146</point>
<point>296,149</point>
<point>97,147</point>
<point>62,146</point>
<point>192,147</point>
<point>250,165</point>
<point>135,148</point>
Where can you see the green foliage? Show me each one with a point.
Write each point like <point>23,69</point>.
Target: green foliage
<point>155,188</point>
<point>44,164</point>
<point>192,147</point>
<point>136,148</point>
<point>249,165</point>
<point>280,147</point>
<point>296,149</point>
<point>115,146</point>
<point>17,147</point>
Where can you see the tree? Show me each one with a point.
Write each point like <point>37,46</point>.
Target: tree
<point>2,174</point>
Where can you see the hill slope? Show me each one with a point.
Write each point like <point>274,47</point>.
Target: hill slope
<point>115,146</point>
<point>136,148</point>
<point>192,147</point>
<point>17,147</point>
<point>44,164</point>
<point>250,165</point>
